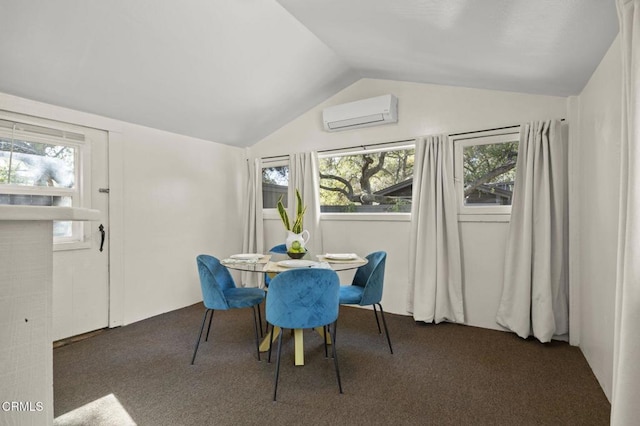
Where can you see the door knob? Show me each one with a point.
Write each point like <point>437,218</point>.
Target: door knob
<point>101,229</point>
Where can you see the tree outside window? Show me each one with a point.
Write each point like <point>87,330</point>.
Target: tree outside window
<point>379,181</point>
<point>275,184</point>
<point>485,172</point>
<point>39,168</point>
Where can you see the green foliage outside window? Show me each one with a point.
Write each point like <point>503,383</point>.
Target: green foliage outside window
<point>36,164</point>
<point>381,179</point>
<point>489,172</point>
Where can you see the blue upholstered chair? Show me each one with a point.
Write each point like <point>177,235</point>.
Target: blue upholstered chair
<point>219,292</point>
<point>280,249</point>
<point>303,298</point>
<point>366,288</point>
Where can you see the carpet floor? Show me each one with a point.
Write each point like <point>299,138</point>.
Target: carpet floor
<point>443,374</point>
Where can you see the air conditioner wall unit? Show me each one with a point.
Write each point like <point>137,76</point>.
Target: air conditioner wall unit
<point>362,113</point>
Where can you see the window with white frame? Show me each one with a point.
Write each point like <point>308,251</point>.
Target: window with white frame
<point>275,182</point>
<point>372,180</point>
<point>485,171</point>
<point>40,166</point>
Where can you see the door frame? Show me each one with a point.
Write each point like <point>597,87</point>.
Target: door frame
<point>116,229</point>
<point>115,144</point>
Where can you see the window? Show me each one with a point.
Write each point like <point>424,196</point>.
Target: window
<point>485,172</point>
<point>40,166</point>
<point>275,183</point>
<point>370,181</point>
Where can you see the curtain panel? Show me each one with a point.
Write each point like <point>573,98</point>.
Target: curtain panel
<point>535,294</point>
<point>435,269</point>
<point>305,177</point>
<point>253,235</point>
<point>625,409</point>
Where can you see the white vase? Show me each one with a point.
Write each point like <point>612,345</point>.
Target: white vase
<point>302,238</point>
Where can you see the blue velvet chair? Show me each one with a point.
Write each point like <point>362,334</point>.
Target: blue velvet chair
<point>366,288</point>
<point>303,298</point>
<point>219,292</point>
<point>280,249</point>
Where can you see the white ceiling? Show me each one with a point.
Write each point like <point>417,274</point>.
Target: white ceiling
<point>235,71</point>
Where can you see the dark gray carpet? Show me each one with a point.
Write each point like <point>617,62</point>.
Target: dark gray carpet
<point>439,374</point>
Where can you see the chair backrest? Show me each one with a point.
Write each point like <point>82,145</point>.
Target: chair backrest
<point>214,279</point>
<point>371,277</point>
<point>303,298</point>
<point>280,248</point>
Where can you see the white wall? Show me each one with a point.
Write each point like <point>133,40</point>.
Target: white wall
<point>172,198</point>
<point>423,109</point>
<point>598,151</point>
<point>182,198</point>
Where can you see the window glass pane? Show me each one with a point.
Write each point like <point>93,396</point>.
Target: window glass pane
<point>62,229</point>
<point>275,183</point>
<point>489,173</point>
<point>368,182</point>
<point>36,164</point>
<point>35,200</point>
<point>40,166</point>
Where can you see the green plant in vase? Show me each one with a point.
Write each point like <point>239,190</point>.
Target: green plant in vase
<point>296,240</point>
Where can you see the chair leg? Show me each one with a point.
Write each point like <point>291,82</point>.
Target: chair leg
<point>326,354</point>
<point>377,321</point>
<point>335,354</point>
<point>271,342</point>
<point>260,320</point>
<point>266,324</point>
<point>204,320</point>
<point>275,385</point>
<point>209,328</point>
<point>386,330</point>
<point>255,329</point>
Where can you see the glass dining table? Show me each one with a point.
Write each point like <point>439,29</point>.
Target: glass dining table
<point>274,263</point>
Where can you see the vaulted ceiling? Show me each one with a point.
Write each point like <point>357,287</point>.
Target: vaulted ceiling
<point>235,71</point>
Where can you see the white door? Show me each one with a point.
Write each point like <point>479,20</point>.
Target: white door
<point>81,275</point>
<point>43,162</point>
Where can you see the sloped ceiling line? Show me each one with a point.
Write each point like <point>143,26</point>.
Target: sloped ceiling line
<point>234,72</point>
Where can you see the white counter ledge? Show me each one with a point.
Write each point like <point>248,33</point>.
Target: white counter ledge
<point>26,354</point>
<point>46,213</point>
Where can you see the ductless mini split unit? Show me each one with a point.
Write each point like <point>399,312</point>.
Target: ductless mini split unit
<point>362,113</point>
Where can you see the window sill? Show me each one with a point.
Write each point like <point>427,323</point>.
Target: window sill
<point>71,245</point>
<point>504,218</point>
<point>272,214</point>
<point>367,217</point>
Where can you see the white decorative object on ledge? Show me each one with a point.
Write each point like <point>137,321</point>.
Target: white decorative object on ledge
<point>26,356</point>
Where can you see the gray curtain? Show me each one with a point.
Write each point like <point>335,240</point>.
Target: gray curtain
<point>535,294</point>
<point>435,269</point>
<point>304,175</point>
<point>625,409</point>
<point>253,236</point>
